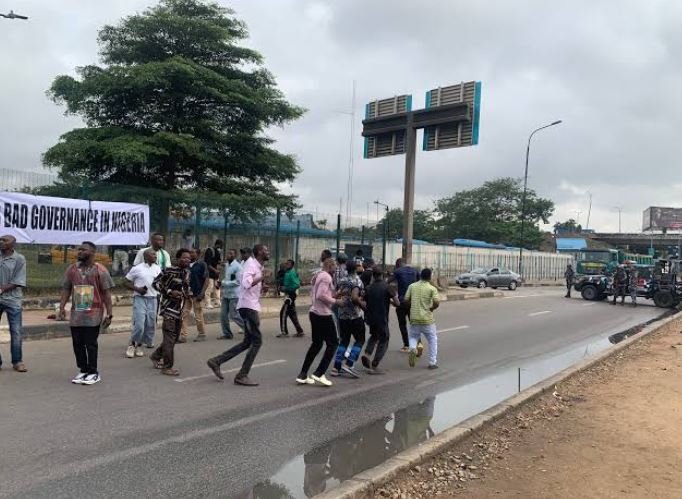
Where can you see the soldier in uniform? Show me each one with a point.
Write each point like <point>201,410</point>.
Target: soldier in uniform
<point>620,283</point>
<point>633,281</point>
<point>569,275</point>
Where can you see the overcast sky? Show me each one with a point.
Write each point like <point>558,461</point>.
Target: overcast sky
<point>611,72</point>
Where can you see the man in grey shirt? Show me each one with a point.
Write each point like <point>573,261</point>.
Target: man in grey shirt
<point>12,282</point>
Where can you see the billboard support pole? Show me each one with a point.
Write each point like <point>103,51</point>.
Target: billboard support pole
<point>408,204</point>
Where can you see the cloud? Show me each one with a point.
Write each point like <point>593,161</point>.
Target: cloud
<point>610,70</point>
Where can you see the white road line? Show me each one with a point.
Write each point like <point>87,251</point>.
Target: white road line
<point>458,328</point>
<point>534,314</point>
<point>424,384</point>
<point>263,364</point>
<point>523,296</point>
<point>588,304</point>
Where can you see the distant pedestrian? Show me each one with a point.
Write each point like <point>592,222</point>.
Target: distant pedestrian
<point>322,326</point>
<point>340,271</point>
<point>403,276</point>
<point>87,285</point>
<point>199,282</point>
<point>422,298</point>
<point>12,283</point>
<point>248,307</point>
<point>279,278</point>
<point>188,239</point>
<point>119,261</point>
<point>145,303</point>
<point>359,257</point>
<point>633,283</point>
<point>245,254</point>
<point>351,322</point>
<point>214,259</point>
<point>290,285</point>
<point>230,296</point>
<point>620,284</point>
<point>569,276</point>
<point>173,287</point>
<point>379,296</point>
<point>158,241</point>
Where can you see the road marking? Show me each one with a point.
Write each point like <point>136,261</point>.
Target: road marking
<point>263,364</point>
<point>424,384</point>
<point>534,314</point>
<point>458,328</point>
<point>523,296</point>
<point>588,304</point>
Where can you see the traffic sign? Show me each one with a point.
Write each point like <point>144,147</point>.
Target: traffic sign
<point>460,133</point>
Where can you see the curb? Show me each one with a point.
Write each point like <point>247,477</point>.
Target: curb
<point>365,484</point>
<point>58,329</point>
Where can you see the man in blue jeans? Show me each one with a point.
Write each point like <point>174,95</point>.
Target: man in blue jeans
<point>145,302</point>
<point>230,292</point>
<point>12,282</point>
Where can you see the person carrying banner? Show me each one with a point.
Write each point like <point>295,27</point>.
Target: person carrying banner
<point>12,282</point>
<point>87,285</point>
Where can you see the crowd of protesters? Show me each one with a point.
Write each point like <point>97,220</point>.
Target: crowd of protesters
<point>349,297</point>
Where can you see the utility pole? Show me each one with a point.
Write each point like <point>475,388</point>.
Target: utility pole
<point>577,216</point>
<point>589,211</point>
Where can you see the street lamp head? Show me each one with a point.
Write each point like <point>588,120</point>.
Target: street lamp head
<point>556,123</point>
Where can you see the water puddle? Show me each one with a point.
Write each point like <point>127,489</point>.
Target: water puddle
<point>326,466</point>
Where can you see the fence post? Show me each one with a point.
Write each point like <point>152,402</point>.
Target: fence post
<point>197,223</point>
<point>225,227</point>
<point>278,224</point>
<point>297,256</point>
<point>338,233</point>
<point>362,236</point>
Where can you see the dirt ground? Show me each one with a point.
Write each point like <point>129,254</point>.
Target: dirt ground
<point>612,431</point>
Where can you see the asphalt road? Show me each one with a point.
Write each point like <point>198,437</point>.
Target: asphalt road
<point>142,434</point>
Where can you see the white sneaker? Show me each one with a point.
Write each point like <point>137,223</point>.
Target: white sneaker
<point>91,379</point>
<point>78,378</point>
<point>322,380</point>
<point>305,381</point>
<point>130,352</point>
<point>139,352</point>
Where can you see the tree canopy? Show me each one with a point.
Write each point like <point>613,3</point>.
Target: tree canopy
<point>180,107</point>
<point>569,226</point>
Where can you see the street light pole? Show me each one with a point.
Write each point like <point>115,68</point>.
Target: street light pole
<point>12,15</point>
<point>525,192</point>
<point>385,224</point>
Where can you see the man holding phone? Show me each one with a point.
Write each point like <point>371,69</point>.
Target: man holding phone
<point>87,285</point>
<point>140,279</point>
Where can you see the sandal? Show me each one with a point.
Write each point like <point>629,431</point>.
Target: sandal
<point>169,371</point>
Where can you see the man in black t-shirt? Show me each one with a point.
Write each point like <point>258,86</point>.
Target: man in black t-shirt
<point>213,258</point>
<point>378,296</point>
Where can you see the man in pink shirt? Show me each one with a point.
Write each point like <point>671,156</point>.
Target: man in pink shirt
<point>248,307</point>
<point>323,297</point>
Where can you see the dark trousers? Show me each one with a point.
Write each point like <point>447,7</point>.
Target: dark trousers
<point>378,338</point>
<point>252,342</point>
<point>170,328</point>
<point>569,285</point>
<point>288,310</point>
<point>403,314</point>
<point>619,290</point>
<point>85,348</point>
<point>350,328</point>
<point>323,331</point>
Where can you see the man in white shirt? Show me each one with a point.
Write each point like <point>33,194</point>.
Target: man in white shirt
<point>162,257</point>
<point>145,300</point>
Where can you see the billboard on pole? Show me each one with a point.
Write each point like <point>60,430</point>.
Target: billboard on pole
<point>457,134</point>
<point>659,218</point>
<point>391,142</point>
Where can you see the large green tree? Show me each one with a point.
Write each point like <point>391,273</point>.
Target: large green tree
<point>492,213</point>
<point>423,225</point>
<point>178,107</point>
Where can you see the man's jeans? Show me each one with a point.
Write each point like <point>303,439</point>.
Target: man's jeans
<point>144,320</point>
<point>14,319</point>
<point>228,311</point>
<point>252,342</point>
<point>429,331</point>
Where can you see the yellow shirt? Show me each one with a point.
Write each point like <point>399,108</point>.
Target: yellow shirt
<point>421,295</point>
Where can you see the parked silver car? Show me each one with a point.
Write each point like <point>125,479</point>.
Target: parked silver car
<point>494,277</point>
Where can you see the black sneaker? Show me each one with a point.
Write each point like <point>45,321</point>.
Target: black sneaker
<point>282,335</point>
<point>365,362</point>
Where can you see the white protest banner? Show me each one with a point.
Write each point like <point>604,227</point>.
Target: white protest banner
<point>48,220</point>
